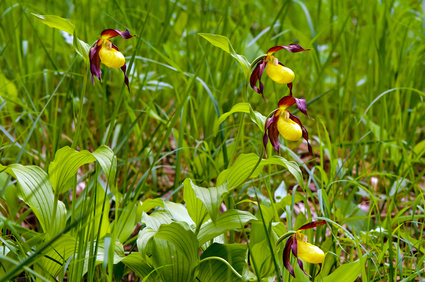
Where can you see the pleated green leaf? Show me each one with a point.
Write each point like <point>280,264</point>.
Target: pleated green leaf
<point>210,197</point>
<point>56,22</point>
<point>229,220</point>
<point>67,162</point>
<point>194,206</point>
<point>136,263</point>
<point>170,264</point>
<point>36,191</point>
<point>183,239</point>
<point>108,162</point>
<point>223,43</point>
<point>57,254</point>
<point>174,252</point>
<point>81,47</point>
<point>255,116</point>
<point>346,272</point>
<point>126,222</point>
<point>243,168</point>
<point>179,213</point>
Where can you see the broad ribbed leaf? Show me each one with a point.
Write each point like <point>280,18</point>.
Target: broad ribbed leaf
<point>143,239</point>
<point>229,220</point>
<point>156,219</point>
<point>183,239</point>
<point>67,162</point>
<point>194,206</point>
<point>263,258</point>
<point>179,213</point>
<point>108,162</point>
<point>36,191</point>
<point>255,116</point>
<point>151,204</point>
<point>223,43</point>
<point>292,167</point>
<point>136,263</point>
<point>126,222</point>
<point>346,272</point>
<point>153,222</point>
<point>65,165</point>
<point>56,22</point>
<point>81,47</point>
<point>57,254</point>
<point>210,197</point>
<point>216,270</point>
<point>243,167</point>
<point>170,264</point>
<point>174,252</point>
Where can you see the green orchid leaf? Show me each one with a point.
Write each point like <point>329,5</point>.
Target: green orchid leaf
<point>210,197</point>
<point>243,167</point>
<point>170,264</point>
<point>126,222</point>
<point>173,251</point>
<point>223,43</point>
<point>57,254</point>
<point>81,47</point>
<point>108,162</point>
<point>36,191</point>
<point>229,220</point>
<point>65,165</point>
<point>262,256</point>
<point>185,241</point>
<point>136,263</point>
<point>67,162</point>
<point>179,213</point>
<point>234,255</point>
<point>151,204</point>
<point>194,205</point>
<point>255,116</point>
<point>346,272</point>
<point>56,22</point>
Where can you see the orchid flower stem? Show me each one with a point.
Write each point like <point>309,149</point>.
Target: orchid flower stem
<point>284,236</point>
<point>256,60</point>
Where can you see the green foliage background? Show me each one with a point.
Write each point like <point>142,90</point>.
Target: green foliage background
<point>364,87</point>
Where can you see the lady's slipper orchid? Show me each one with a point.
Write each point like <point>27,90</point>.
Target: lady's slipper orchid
<point>275,69</point>
<point>301,249</point>
<point>106,52</point>
<point>286,124</point>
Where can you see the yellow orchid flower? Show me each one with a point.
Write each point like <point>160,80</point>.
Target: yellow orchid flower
<point>286,124</point>
<point>106,52</point>
<point>275,69</point>
<point>302,250</point>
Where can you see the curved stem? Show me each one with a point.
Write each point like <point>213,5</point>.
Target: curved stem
<point>256,60</point>
<point>224,261</point>
<point>286,235</point>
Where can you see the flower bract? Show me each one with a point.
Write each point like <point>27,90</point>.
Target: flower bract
<point>302,250</point>
<point>106,52</point>
<point>286,124</point>
<point>275,69</point>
